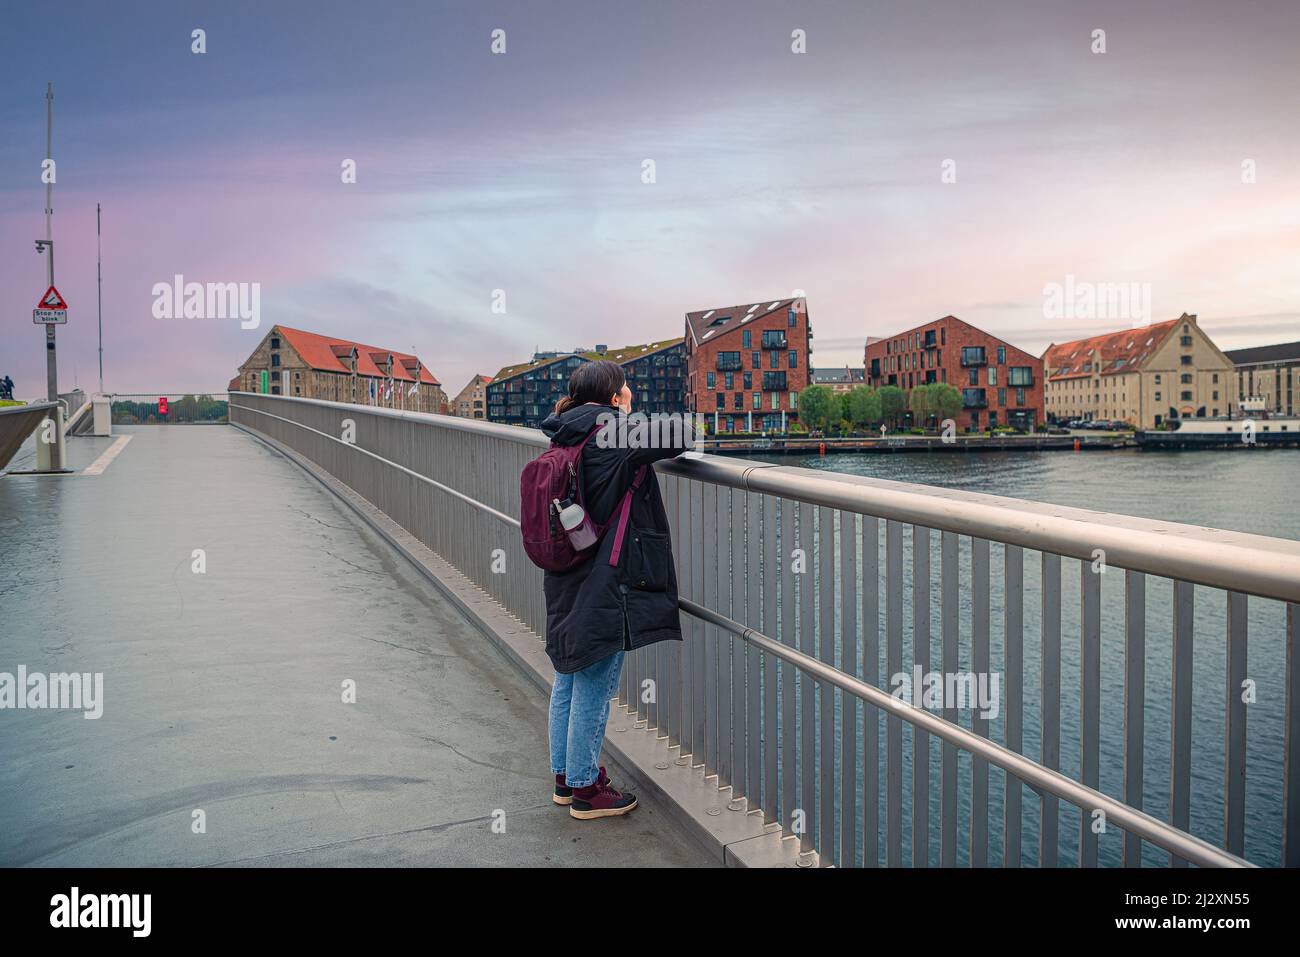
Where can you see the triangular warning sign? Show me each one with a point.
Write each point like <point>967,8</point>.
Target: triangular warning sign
<point>51,300</point>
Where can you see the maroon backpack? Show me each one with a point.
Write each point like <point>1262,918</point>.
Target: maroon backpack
<point>557,474</point>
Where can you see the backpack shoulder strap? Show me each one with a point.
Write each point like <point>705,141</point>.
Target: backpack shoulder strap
<point>624,513</point>
<point>578,473</point>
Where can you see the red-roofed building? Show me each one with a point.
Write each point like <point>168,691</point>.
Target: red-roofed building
<point>1000,385</point>
<point>297,363</point>
<point>1142,376</point>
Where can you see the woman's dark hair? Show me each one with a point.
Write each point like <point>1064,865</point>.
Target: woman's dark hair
<point>595,381</point>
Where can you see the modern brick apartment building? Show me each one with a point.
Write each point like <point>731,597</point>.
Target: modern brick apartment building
<point>525,394</point>
<point>1142,376</point>
<point>1271,373</point>
<point>1000,384</point>
<point>656,374</point>
<point>471,401</point>
<point>293,362</point>
<point>747,364</point>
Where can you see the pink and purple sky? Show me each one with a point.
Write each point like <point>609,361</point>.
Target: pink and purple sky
<point>775,171</point>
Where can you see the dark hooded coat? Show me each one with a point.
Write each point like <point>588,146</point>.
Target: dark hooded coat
<point>595,609</point>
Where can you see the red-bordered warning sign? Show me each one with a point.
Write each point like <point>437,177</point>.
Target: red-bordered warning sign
<point>52,300</point>
<point>52,309</point>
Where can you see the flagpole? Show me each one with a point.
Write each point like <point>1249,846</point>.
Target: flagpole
<point>99,275</point>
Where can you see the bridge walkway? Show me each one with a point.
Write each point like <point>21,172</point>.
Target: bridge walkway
<point>223,688</point>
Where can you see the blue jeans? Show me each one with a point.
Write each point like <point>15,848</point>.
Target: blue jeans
<point>579,713</point>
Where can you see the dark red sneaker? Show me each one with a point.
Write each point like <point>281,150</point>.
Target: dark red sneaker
<point>564,794</point>
<point>600,800</point>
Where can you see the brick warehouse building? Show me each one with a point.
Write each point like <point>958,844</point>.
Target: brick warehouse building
<point>1145,376</point>
<point>471,401</point>
<point>746,365</point>
<point>1000,384</point>
<point>526,393</point>
<point>293,362</point>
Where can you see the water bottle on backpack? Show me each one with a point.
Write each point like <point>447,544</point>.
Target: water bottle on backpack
<point>573,519</point>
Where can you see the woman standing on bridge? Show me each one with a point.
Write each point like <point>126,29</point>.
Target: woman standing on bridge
<point>601,609</point>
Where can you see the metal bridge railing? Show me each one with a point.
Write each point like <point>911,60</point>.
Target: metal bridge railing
<point>187,408</point>
<point>802,600</point>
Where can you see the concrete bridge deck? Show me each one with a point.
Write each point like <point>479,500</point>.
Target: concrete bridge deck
<point>223,690</point>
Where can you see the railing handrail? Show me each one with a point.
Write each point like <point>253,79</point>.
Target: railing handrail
<point>469,500</point>
<point>1234,561</point>
<point>27,407</point>
<point>1042,779</point>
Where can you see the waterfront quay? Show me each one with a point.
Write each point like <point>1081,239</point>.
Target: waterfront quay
<point>804,445</point>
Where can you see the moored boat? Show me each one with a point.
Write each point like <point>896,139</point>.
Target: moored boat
<point>1253,427</point>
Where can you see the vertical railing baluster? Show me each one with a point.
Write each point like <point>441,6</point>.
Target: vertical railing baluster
<point>625,686</point>
<point>807,704</point>
<point>1089,698</point>
<point>653,656</point>
<point>871,675</point>
<point>630,665</point>
<point>1049,697</point>
<point>753,659</point>
<point>1291,743</point>
<point>692,548</point>
<point>699,679</point>
<point>723,640</point>
<point>826,751</point>
<point>672,690</point>
<point>637,681</point>
<point>708,532</point>
<point>893,666</point>
<point>1013,578</point>
<point>789,677</point>
<point>921,660</point>
<point>1234,759</point>
<point>1180,772</point>
<point>950,608</point>
<point>771,575</point>
<point>1135,650</point>
<point>740,609</point>
<point>979,788</point>
<point>848,703</point>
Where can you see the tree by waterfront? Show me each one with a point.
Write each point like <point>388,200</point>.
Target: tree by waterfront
<point>892,404</point>
<point>818,407</point>
<point>863,406</point>
<point>935,400</point>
